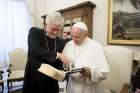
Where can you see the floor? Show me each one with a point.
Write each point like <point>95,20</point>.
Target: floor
<point>19,91</point>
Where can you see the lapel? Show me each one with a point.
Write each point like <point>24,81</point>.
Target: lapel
<point>42,38</point>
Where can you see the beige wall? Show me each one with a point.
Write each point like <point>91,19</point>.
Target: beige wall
<point>100,22</point>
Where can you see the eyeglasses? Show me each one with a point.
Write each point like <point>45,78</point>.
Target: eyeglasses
<point>55,29</point>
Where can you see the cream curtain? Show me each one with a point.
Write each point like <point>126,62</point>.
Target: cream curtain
<point>15,22</point>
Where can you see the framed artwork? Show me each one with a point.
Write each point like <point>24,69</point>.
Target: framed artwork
<point>124,22</point>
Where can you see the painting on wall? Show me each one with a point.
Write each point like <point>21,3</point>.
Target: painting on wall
<point>124,22</point>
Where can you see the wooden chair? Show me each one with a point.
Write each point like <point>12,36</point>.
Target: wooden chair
<point>1,82</point>
<point>17,60</point>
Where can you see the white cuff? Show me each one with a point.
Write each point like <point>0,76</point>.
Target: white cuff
<point>57,56</point>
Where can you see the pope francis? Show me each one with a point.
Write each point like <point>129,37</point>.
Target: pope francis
<point>86,53</point>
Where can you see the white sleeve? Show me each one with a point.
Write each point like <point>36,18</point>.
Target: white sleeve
<point>102,71</point>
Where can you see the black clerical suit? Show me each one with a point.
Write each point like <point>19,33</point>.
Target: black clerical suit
<point>41,49</point>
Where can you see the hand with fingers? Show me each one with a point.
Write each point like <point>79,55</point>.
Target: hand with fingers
<point>63,58</point>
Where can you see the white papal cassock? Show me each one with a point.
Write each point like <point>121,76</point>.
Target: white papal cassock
<point>89,54</point>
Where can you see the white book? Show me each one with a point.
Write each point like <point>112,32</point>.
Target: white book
<point>55,73</point>
<point>51,72</point>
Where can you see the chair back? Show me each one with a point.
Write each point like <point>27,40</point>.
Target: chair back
<point>17,59</point>
<point>120,62</point>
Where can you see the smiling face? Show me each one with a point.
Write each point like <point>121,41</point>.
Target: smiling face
<point>53,24</point>
<point>77,35</point>
<point>53,30</point>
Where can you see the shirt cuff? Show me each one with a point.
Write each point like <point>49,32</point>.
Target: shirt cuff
<point>57,55</point>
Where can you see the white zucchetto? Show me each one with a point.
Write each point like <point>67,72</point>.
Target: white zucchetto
<point>81,25</point>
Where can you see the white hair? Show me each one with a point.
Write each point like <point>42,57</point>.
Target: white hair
<point>55,18</point>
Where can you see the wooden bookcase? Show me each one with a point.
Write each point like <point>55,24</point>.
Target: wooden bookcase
<point>81,12</point>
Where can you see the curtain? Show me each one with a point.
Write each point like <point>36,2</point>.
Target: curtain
<point>15,22</point>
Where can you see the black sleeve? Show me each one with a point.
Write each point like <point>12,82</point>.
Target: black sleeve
<point>37,50</point>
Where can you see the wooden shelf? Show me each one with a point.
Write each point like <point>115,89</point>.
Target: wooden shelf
<point>80,12</point>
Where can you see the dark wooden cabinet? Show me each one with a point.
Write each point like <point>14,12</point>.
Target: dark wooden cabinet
<point>81,12</point>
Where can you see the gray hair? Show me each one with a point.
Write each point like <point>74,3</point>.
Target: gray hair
<point>55,18</point>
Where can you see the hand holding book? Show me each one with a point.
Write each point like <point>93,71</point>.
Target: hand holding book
<point>86,72</point>
<point>55,73</point>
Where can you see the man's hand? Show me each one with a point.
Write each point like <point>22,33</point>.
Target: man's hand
<point>86,72</point>
<point>63,58</point>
